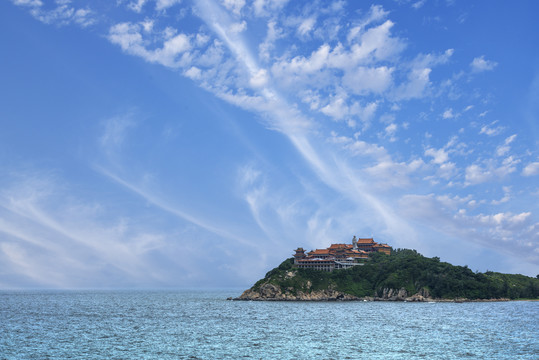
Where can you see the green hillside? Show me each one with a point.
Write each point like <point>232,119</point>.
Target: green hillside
<point>404,269</point>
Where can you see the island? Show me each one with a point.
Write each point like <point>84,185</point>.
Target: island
<point>368,271</point>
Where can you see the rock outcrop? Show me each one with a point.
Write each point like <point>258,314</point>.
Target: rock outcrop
<point>271,292</point>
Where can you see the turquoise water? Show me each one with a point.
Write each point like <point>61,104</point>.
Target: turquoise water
<point>203,325</point>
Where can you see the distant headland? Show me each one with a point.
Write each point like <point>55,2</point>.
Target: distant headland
<point>368,271</point>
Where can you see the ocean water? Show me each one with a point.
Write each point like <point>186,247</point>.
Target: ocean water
<point>203,325</point>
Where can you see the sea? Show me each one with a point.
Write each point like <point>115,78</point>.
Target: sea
<point>202,324</point>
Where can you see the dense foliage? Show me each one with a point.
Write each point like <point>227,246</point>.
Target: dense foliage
<point>409,270</point>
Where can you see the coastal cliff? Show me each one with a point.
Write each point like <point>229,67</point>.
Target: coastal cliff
<point>404,275</point>
<point>272,292</point>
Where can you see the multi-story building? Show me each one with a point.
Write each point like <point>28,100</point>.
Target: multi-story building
<point>339,256</point>
<point>369,245</point>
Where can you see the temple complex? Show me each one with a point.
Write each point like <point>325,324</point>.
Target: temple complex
<point>339,256</point>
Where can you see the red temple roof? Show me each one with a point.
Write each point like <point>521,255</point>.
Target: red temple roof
<point>319,252</point>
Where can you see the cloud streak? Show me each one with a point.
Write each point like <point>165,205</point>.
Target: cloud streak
<point>173,210</point>
<point>357,102</point>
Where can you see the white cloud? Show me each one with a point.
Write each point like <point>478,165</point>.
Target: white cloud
<point>504,218</point>
<point>165,4</point>
<point>390,174</point>
<point>507,232</point>
<point>365,80</point>
<point>376,14</point>
<point>71,232</point>
<point>531,169</point>
<point>238,27</point>
<point>338,109</point>
<point>147,25</point>
<point>300,65</point>
<point>306,26</point>
<point>447,170</point>
<point>234,5</point>
<point>452,202</point>
<point>362,148</point>
<point>508,166</point>
<point>349,80</point>
<point>193,73</point>
<point>268,7</point>
<point>506,196</point>
<point>137,6</point>
<point>431,60</point>
<point>355,61</point>
<point>418,4</point>
<point>439,156</point>
<point>382,170</point>
<point>128,37</point>
<point>476,174</point>
<point>377,44</point>
<point>448,114</point>
<point>272,34</point>
<point>479,64</point>
<point>313,77</point>
<point>160,5</point>
<point>62,15</point>
<point>490,130</point>
<point>172,53</point>
<point>259,79</point>
<point>504,149</point>
<point>391,130</point>
<point>418,78</point>
<point>28,2</point>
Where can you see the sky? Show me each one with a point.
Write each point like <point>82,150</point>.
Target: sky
<point>177,143</point>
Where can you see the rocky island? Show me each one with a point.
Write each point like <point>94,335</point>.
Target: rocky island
<point>395,275</point>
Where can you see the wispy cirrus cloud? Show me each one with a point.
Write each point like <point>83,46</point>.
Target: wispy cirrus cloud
<point>340,87</point>
<point>333,80</point>
<point>160,203</point>
<point>115,130</point>
<point>95,244</point>
<point>39,227</point>
<point>61,13</point>
<point>492,230</point>
<point>160,5</point>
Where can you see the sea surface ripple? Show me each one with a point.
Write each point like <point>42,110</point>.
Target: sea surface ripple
<point>201,324</point>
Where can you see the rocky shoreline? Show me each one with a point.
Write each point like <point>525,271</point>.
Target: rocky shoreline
<point>271,292</point>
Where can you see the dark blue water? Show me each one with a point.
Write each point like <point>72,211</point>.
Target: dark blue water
<point>203,325</point>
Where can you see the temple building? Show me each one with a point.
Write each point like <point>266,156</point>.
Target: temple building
<point>339,256</point>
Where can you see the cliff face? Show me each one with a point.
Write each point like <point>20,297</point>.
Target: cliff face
<point>302,290</point>
<point>272,292</point>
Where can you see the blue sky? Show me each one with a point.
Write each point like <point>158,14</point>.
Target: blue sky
<point>197,143</point>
